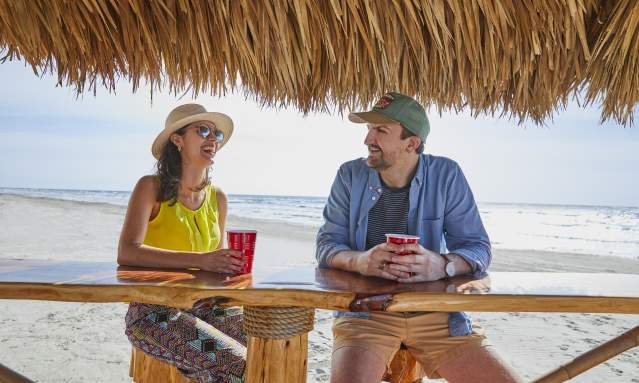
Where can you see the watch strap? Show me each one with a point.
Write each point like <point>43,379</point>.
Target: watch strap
<point>450,258</point>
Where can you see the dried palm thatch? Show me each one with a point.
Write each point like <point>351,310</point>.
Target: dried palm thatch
<point>521,58</point>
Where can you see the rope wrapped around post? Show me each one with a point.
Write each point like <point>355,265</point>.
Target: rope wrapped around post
<point>277,322</point>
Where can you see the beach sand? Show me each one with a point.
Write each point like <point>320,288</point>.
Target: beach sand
<point>73,342</point>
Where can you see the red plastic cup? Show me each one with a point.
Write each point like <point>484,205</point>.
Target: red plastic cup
<point>402,239</point>
<point>244,241</point>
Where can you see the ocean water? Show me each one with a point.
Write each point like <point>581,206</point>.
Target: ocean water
<point>599,230</point>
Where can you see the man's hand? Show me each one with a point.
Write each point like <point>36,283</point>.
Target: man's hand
<point>422,266</point>
<point>376,262</point>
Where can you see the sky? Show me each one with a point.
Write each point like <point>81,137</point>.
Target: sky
<point>53,139</point>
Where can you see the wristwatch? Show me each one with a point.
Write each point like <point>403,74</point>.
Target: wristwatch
<point>449,267</point>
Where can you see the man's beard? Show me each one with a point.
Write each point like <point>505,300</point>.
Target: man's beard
<point>378,163</point>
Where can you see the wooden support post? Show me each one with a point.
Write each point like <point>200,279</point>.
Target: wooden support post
<point>147,369</point>
<point>277,343</point>
<point>404,368</point>
<point>593,358</point>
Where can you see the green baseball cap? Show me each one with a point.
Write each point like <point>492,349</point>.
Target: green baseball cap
<point>396,108</point>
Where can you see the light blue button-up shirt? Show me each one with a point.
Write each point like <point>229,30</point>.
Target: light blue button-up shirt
<point>442,212</point>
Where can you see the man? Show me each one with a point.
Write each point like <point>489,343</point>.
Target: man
<point>397,189</point>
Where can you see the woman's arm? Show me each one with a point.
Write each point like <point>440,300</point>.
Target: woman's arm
<point>222,208</point>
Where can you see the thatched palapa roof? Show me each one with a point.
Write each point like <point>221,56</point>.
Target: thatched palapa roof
<point>520,57</point>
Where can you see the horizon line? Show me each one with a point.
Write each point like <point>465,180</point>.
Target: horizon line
<point>326,197</point>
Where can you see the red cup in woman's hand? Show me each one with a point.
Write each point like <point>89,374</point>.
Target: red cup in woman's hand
<point>244,241</point>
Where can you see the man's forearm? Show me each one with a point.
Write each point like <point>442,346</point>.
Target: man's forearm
<point>345,260</point>
<point>461,266</point>
<point>478,257</point>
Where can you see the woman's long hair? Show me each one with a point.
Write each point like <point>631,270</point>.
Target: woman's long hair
<point>169,172</point>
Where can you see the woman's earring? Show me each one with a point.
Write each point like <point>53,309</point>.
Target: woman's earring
<point>179,148</point>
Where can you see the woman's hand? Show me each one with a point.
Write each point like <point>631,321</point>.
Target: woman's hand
<point>222,261</point>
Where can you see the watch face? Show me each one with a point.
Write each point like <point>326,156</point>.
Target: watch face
<point>450,269</point>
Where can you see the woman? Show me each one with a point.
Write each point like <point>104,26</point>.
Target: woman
<point>175,219</point>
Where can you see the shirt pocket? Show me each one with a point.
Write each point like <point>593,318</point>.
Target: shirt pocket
<point>432,229</point>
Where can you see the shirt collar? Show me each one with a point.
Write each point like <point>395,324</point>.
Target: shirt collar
<point>421,170</point>
<point>374,183</point>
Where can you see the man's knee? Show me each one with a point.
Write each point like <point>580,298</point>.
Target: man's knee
<point>480,364</point>
<point>356,364</point>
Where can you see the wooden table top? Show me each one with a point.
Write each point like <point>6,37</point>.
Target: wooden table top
<point>320,288</point>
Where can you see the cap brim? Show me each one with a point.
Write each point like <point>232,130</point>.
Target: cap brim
<point>221,121</point>
<point>370,118</point>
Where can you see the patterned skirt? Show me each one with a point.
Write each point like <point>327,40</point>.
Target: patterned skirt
<point>206,343</point>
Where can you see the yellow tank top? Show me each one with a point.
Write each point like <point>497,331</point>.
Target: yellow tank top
<point>182,229</point>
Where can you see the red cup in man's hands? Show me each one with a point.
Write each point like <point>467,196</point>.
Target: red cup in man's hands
<point>402,239</point>
<point>244,241</point>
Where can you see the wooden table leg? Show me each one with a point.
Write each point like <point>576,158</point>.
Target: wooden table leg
<point>277,343</point>
<point>593,358</point>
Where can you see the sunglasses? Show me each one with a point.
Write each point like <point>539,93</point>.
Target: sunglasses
<point>206,132</point>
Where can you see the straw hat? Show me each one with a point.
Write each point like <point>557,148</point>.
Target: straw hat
<point>187,114</point>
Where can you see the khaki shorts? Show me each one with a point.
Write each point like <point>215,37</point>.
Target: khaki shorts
<point>424,335</point>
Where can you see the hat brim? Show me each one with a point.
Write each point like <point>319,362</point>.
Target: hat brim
<point>371,118</point>
<point>221,121</point>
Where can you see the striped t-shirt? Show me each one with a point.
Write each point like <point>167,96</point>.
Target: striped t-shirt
<point>389,215</point>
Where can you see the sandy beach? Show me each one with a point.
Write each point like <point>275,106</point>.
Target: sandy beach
<point>71,342</point>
